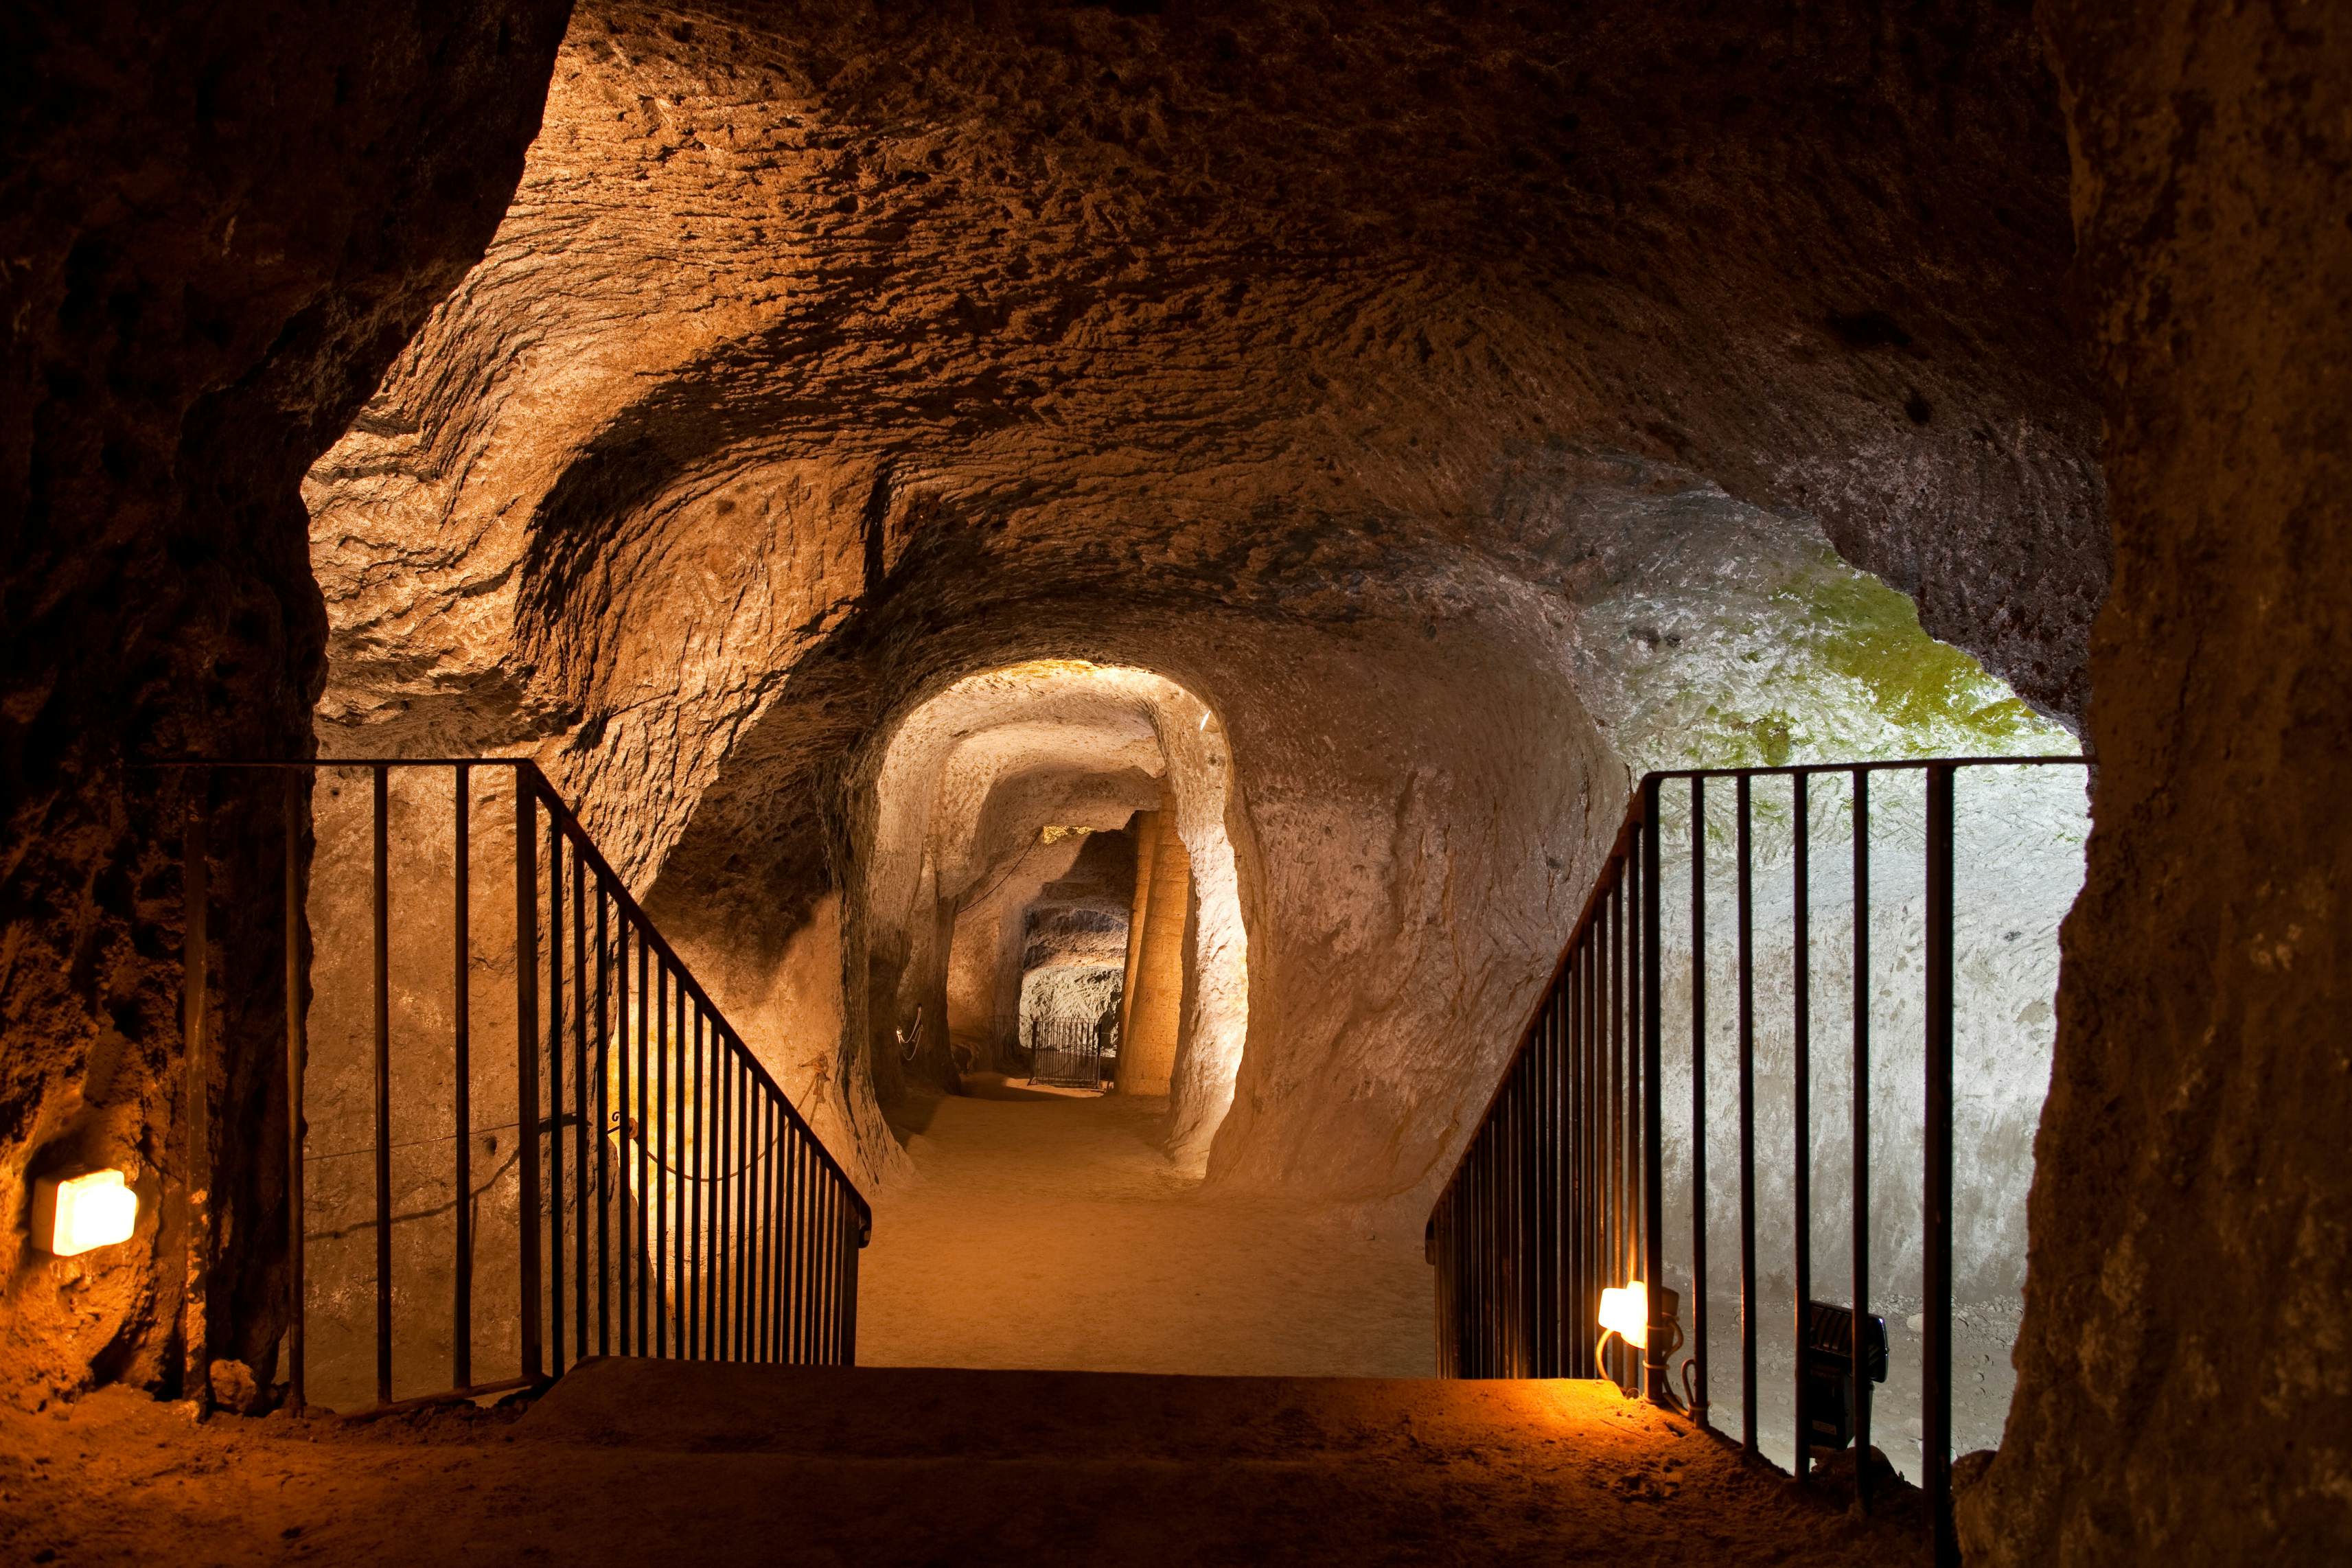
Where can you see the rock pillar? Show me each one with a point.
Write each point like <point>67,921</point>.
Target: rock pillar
<point>1151,1006</point>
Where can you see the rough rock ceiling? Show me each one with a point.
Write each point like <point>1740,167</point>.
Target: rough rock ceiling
<point>799,305</point>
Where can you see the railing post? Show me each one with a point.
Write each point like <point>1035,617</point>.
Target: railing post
<point>1698,1405</point>
<point>1655,1382</point>
<point>1860,1389</point>
<point>461,1042</point>
<point>527,1056</point>
<point>380,822</point>
<point>1936,1373</point>
<point>195,1001</point>
<point>1801,1106</point>
<point>296,1050</point>
<point>1745,912</point>
<point>554,1093</point>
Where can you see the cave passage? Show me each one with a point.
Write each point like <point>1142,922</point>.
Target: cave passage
<point>838,782</point>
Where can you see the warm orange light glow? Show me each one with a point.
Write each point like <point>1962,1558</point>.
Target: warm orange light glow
<point>1626,1313</point>
<point>81,1213</point>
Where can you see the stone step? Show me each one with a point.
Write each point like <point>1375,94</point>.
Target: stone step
<point>895,1412</point>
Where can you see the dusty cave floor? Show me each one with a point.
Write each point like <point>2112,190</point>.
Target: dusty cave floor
<point>635,1462</point>
<point>1043,1230</point>
<point>1039,1232</point>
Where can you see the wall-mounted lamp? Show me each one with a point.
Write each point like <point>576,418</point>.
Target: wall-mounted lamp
<point>1626,1312</point>
<point>73,1215</point>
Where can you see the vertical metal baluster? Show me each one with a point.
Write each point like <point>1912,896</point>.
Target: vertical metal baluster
<point>782,1130</point>
<point>1636,1185</point>
<point>1491,1201</point>
<point>664,1281</point>
<point>1746,974</point>
<point>555,1323</point>
<point>1547,1196</point>
<point>741,1209</point>
<point>1698,1101</point>
<point>787,1286</point>
<point>1622,1046</point>
<point>714,1220</point>
<point>526,1060</point>
<point>1801,1114</point>
<point>383,897</point>
<point>812,1177</point>
<point>796,1266</point>
<point>1560,1357</point>
<point>461,1048</point>
<point>821,1264</point>
<point>1612,1152</point>
<point>848,1338</point>
<point>764,1295</point>
<point>722,1211</point>
<point>606,1151</point>
<point>1513,1195</point>
<point>297,1054</point>
<point>1564,1040</point>
<point>629,1180</point>
<point>1654,1380</point>
<point>1440,1242</point>
<point>581,1221</point>
<point>1530,1212</point>
<point>722,1240</point>
<point>1936,1373</point>
<point>699,1334</point>
<point>195,1087</point>
<point>1596,1160</point>
<point>1861,1372</point>
<point>647,1259</point>
<point>1572,1346</point>
<point>787,1132</point>
<point>838,1233</point>
<point>744,1259</point>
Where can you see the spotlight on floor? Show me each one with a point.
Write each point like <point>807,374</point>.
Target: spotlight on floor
<point>74,1215</point>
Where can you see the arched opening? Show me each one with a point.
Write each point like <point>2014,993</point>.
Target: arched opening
<point>1052,874</point>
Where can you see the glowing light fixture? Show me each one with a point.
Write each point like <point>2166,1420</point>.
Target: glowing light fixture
<point>1626,1314</point>
<point>74,1215</point>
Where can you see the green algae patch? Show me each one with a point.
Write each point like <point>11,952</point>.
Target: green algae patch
<point>1860,629</point>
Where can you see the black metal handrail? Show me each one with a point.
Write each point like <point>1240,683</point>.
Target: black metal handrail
<point>1561,1191</point>
<point>679,1203</point>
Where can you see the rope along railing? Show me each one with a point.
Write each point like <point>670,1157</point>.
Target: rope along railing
<point>1559,1203</point>
<point>669,1201</point>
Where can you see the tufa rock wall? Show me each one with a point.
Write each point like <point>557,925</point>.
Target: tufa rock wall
<point>221,223</point>
<point>2184,1375</point>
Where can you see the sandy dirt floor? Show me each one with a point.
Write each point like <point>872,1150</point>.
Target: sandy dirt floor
<point>1047,1231</point>
<point>1041,1232</point>
<point>639,1462</point>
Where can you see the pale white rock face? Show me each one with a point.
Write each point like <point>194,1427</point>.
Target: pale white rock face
<point>1723,636</point>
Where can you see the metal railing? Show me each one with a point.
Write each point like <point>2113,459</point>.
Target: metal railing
<point>1066,1053</point>
<point>1561,1193</point>
<point>666,1198</point>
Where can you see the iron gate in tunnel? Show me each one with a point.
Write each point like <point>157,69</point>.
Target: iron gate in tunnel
<point>1065,1053</point>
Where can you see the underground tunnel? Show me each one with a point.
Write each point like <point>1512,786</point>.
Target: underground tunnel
<point>1416,782</point>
